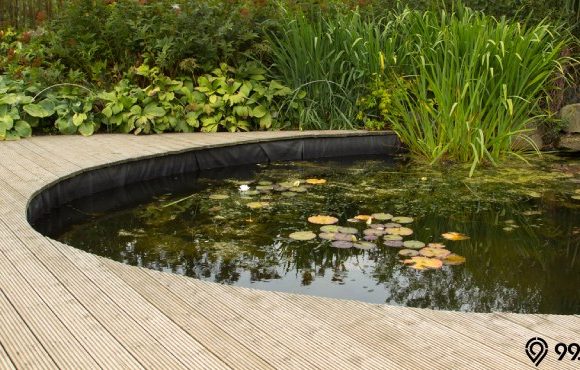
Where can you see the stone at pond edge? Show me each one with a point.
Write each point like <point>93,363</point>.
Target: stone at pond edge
<point>570,114</point>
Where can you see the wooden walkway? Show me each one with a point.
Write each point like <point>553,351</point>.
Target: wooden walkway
<point>63,308</point>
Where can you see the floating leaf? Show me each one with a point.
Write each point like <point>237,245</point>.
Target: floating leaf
<point>391,225</point>
<point>341,244</point>
<point>327,236</point>
<point>345,237</point>
<point>370,238</point>
<point>298,189</point>
<point>423,263</point>
<point>382,216</point>
<point>375,232</point>
<point>413,244</point>
<point>434,252</point>
<point>265,183</point>
<point>218,196</point>
<point>289,194</point>
<point>402,220</point>
<point>302,235</point>
<point>329,228</point>
<point>436,245</point>
<point>408,253</point>
<point>353,220</point>
<point>257,205</point>
<point>364,245</point>
<point>347,230</point>
<point>404,231</point>
<point>287,184</point>
<point>377,226</point>
<point>393,237</point>
<point>362,217</point>
<point>452,235</point>
<point>575,197</point>
<point>454,259</point>
<point>322,220</point>
<point>264,187</point>
<point>534,194</point>
<point>315,181</point>
<point>394,243</point>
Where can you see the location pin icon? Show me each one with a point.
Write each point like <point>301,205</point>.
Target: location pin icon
<point>536,349</point>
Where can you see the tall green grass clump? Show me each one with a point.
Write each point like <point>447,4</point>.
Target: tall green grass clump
<point>329,59</point>
<point>473,85</point>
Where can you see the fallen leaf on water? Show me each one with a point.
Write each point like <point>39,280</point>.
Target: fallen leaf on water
<point>439,253</point>
<point>423,263</point>
<point>315,181</point>
<point>436,245</point>
<point>322,220</point>
<point>452,235</point>
<point>454,259</point>
<point>362,217</point>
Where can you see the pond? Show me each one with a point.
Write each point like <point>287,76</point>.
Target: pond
<point>507,239</point>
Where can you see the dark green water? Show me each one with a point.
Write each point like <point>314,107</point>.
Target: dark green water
<point>523,254</point>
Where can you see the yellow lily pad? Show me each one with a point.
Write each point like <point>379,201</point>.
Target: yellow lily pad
<point>302,235</point>
<point>315,181</point>
<point>454,259</point>
<point>329,228</point>
<point>218,196</point>
<point>403,231</point>
<point>257,205</point>
<point>436,245</point>
<point>322,220</point>
<point>423,263</point>
<point>575,197</point>
<point>452,235</point>
<point>431,252</point>
<point>362,217</point>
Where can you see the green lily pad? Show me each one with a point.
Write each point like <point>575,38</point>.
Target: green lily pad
<point>327,236</point>
<point>408,253</point>
<point>264,187</point>
<point>391,225</point>
<point>289,194</point>
<point>265,183</point>
<point>298,189</point>
<point>402,220</point>
<point>393,237</point>
<point>575,197</point>
<point>257,205</point>
<point>251,192</point>
<point>377,226</point>
<point>382,216</point>
<point>375,232</point>
<point>364,245</point>
<point>413,244</point>
<point>353,220</point>
<point>329,228</point>
<point>404,231</point>
<point>302,235</point>
<point>218,196</point>
<point>345,237</point>
<point>434,252</point>
<point>347,230</point>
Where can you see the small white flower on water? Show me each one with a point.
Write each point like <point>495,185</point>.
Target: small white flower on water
<point>175,7</point>
<point>244,188</point>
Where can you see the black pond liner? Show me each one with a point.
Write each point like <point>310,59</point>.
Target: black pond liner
<point>137,180</point>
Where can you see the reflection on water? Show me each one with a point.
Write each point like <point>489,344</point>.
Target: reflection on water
<point>522,255</point>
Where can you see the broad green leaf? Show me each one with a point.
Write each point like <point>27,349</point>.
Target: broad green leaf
<point>87,128</point>
<point>266,121</point>
<point>259,111</point>
<point>107,111</point>
<point>22,128</point>
<point>6,122</point>
<point>79,118</point>
<point>37,110</point>
<point>154,110</point>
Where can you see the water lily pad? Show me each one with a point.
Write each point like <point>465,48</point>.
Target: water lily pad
<point>402,220</point>
<point>364,245</point>
<point>394,243</point>
<point>370,238</point>
<point>452,235</point>
<point>577,191</point>
<point>575,197</point>
<point>436,245</point>
<point>298,189</point>
<point>454,259</point>
<point>302,235</point>
<point>382,216</point>
<point>329,228</point>
<point>413,244</point>
<point>218,196</point>
<point>347,230</point>
<point>403,231</point>
<point>257,205</point>
<point>392,237</point>
<point>341,244</point>
<point>375,232</point>
<point>392,225</point>
<point>287,184</point>
<point>434,252</point>
<point>315,181</point>
<point>265,183</point>
<point>327,236</point>
<point>264,187</point>
<point>251,192</point>
<point>423,263</point>
<point>362,217</point>
<point>408,253</point>
<point>353,220</point>
<point>322,220</point>
<point>377,226</point>
<point>534,194</point>
<point>345,237</point>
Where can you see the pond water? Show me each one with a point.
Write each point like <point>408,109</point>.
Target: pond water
<point>522,223</point>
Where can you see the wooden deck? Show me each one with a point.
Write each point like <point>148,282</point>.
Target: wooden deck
<point>63,308</point>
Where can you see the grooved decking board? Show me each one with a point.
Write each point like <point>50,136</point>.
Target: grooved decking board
<point>64,308</point>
